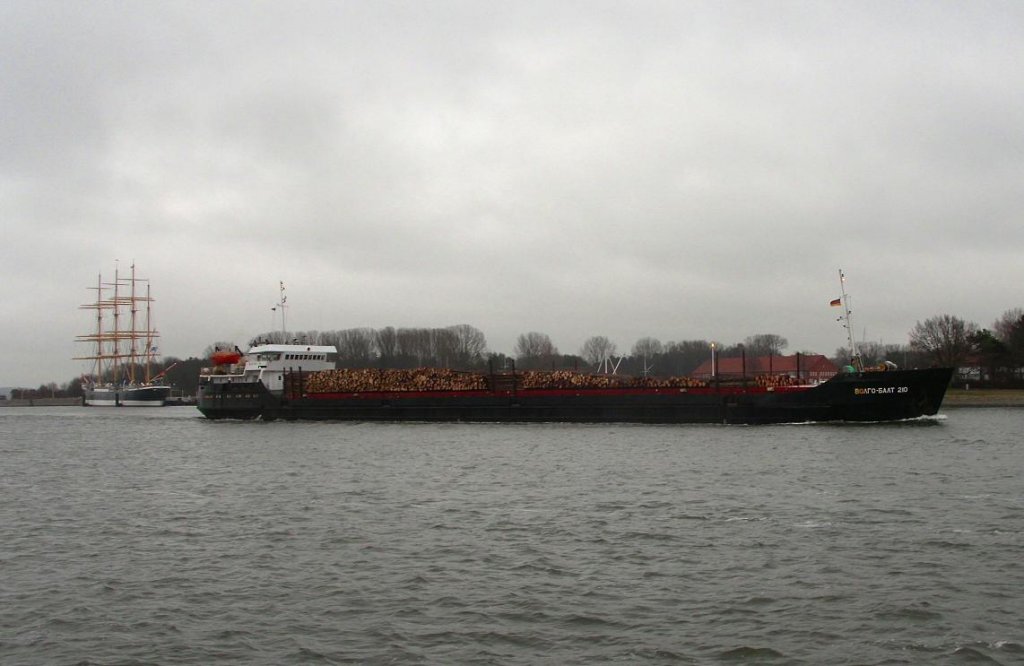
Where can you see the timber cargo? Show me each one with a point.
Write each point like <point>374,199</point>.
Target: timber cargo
<point>299,382</point>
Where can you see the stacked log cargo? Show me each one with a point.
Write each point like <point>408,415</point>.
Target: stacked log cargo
<point>772,381</point>
<point>670,382</point>
<point>568,379</point>
<point>365,380</point>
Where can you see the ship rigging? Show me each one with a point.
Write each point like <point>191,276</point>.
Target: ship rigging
<point>123,345</point>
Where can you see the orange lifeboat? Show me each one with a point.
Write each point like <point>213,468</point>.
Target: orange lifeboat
<point>225,357</point>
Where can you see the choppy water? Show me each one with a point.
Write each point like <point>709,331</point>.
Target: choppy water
<point>140,536</point>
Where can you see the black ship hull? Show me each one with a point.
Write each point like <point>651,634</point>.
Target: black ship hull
<point>127,396</point>
<point>864,397</point>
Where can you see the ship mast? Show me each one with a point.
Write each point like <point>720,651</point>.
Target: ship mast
<point>133,349</point>
<point>116,337</point>
<point>99,329</point>
<point>101,340</point>
<point>149,337</point>
<point>845,318</point>
<point>281,305</point>
<point>116,354</point>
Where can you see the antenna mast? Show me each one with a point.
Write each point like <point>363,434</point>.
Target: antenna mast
<point>281,305</point>
<point>845,318</point>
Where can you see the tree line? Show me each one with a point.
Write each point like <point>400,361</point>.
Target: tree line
<point>464,347</point>
<point>993,356</point>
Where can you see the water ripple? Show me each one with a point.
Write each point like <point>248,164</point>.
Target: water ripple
<point>171,540</point>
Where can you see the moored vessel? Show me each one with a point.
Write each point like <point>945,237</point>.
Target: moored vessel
<point>123,346</point>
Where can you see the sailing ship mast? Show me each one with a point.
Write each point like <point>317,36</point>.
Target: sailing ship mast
<point>98,337</point>
<point>145,335</point>
<point>133,350</point>
<point>115,339</point>
<point>116,348</point>
<point>150,333</point>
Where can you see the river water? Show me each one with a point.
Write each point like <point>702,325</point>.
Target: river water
<point>153,536</point>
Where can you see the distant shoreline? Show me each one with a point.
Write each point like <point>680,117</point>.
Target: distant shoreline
<point>984,398</point>
<point>41,402</point>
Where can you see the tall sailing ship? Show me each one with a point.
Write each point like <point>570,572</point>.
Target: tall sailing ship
<point>123,346</point>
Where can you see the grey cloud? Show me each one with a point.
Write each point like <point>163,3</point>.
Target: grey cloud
<point>678,170</point>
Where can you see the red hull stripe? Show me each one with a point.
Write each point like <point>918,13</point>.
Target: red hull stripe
<point>546,393</point>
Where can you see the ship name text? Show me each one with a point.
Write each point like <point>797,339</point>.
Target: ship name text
<point>880,390</point>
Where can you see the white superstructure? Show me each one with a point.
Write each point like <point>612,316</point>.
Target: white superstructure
<point>267,364</point>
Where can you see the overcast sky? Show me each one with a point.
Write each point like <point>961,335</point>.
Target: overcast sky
<point>681,170</point>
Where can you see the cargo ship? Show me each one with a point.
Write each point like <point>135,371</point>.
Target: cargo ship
<point>299,382</point>
<point>123,346</point>
<point>294,381</point>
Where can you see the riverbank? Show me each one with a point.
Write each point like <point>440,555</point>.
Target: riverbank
<point>41,402</point>
<point>984,398</point>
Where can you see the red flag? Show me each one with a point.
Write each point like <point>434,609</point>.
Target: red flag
<point>836,302</point>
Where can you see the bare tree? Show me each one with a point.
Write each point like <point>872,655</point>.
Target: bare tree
<point>535,350</point>
<point>386,342</point>
<point>597,349</point>
<point>414,343</point>
<point>647,348</point>
<point>534,345</point>
<point>945,338</point>
<point>1004,326</point>
<point>443,343</point>
<point>355,347</point>
<point>765,344</point>
<point>470,345</point>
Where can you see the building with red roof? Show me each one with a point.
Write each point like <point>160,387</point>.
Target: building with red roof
<point>802,367</point>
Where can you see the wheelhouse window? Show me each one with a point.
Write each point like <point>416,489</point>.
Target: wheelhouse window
<point>305,357</point>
